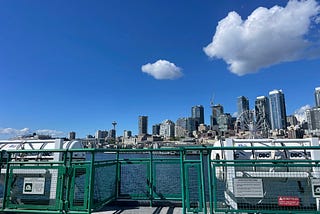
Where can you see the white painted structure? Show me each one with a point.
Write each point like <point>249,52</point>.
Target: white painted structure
<point>16,145</point>
<point>244,150</point>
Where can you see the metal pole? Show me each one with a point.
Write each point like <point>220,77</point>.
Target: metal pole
<point>91,186</point>
<point>151,178</point>
<point>183,186</point>
<point>203,195</point>
<point>6,198</point>
<point>118,175</point>
<point>210,181</point>
<point>69,173</point>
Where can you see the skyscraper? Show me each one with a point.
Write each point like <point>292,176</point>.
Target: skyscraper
<point>217,110</point>
<point>317,96</point>
<point>197,112</point>
<point>167,129</point>
<point>143,125</point>
<point>72,135</point>
<point>261,107</point>
<point>181,127</point>
<point>313,118</point>
<point>191,126</point>
<point>243,104</point>
<point>224,122</point>
<point>101,134</point>
<point>156,129</point>
<point>262,114</point>
<point>278,117</point>
<point>243,111</point>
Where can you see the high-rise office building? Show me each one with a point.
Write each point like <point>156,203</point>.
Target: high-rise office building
<point>143,125</point>
<point>278,117</point>
<point>112,134</point>
<point>167,129</point>
<point>317,96</point>
<point>191,125</point>
<point>181,127</point>
<point>262,114</point>
<point>313,118</point>
<point>197,112</point>
<point>243,112</point>
<point>127,134</point>
<point>224,122</point>
<point>72,135</point>
<point>242,104</point>
<point>262,110</point>
<point>156,129</point>
<point>101,134</point>
<point>217,110</point>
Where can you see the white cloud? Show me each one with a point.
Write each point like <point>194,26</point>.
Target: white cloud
<point>162,69</point>
<point>301,113</point>
<point>11,132</point>
<point>266,37</point>
<point>15,132</point>
<point>235,114</point>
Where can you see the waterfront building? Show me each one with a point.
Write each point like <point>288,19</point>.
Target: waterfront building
<point>181,127</point>
<point>101,134</point>
<point>167,129</point>
<point>313,118</point>
<point>197,112</point>
<point>317,96</point>
<point>191,126</point>
<point>156,129</point>
<point>112,134</point>
<point>127,134</point>
<point>143,125</point>
<point>217,110</point>
<point>277,110</point>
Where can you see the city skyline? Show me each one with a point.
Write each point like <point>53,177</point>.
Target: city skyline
<point>79,67</point>
<point>197,110</point>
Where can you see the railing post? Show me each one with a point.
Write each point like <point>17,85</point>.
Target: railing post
<point>203,195</point>
<point>63,183</point>
<point>183,183</point>
<point>230,175</point>
<point>151,178</point>
<point>2,164</point>
<point>118,174</point>
<point>69,176</point>
<point>315,155</point>
<point>210,181</point>
<point>4,203</point>
<point>91,186</point>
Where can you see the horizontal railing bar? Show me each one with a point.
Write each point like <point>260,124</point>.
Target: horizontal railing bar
<point>266,161</point>
<point>186,149</point>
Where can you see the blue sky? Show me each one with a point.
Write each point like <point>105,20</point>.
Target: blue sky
<point>80,65</point>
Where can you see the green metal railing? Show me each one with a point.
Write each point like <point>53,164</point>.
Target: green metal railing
<point>187,177</point>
